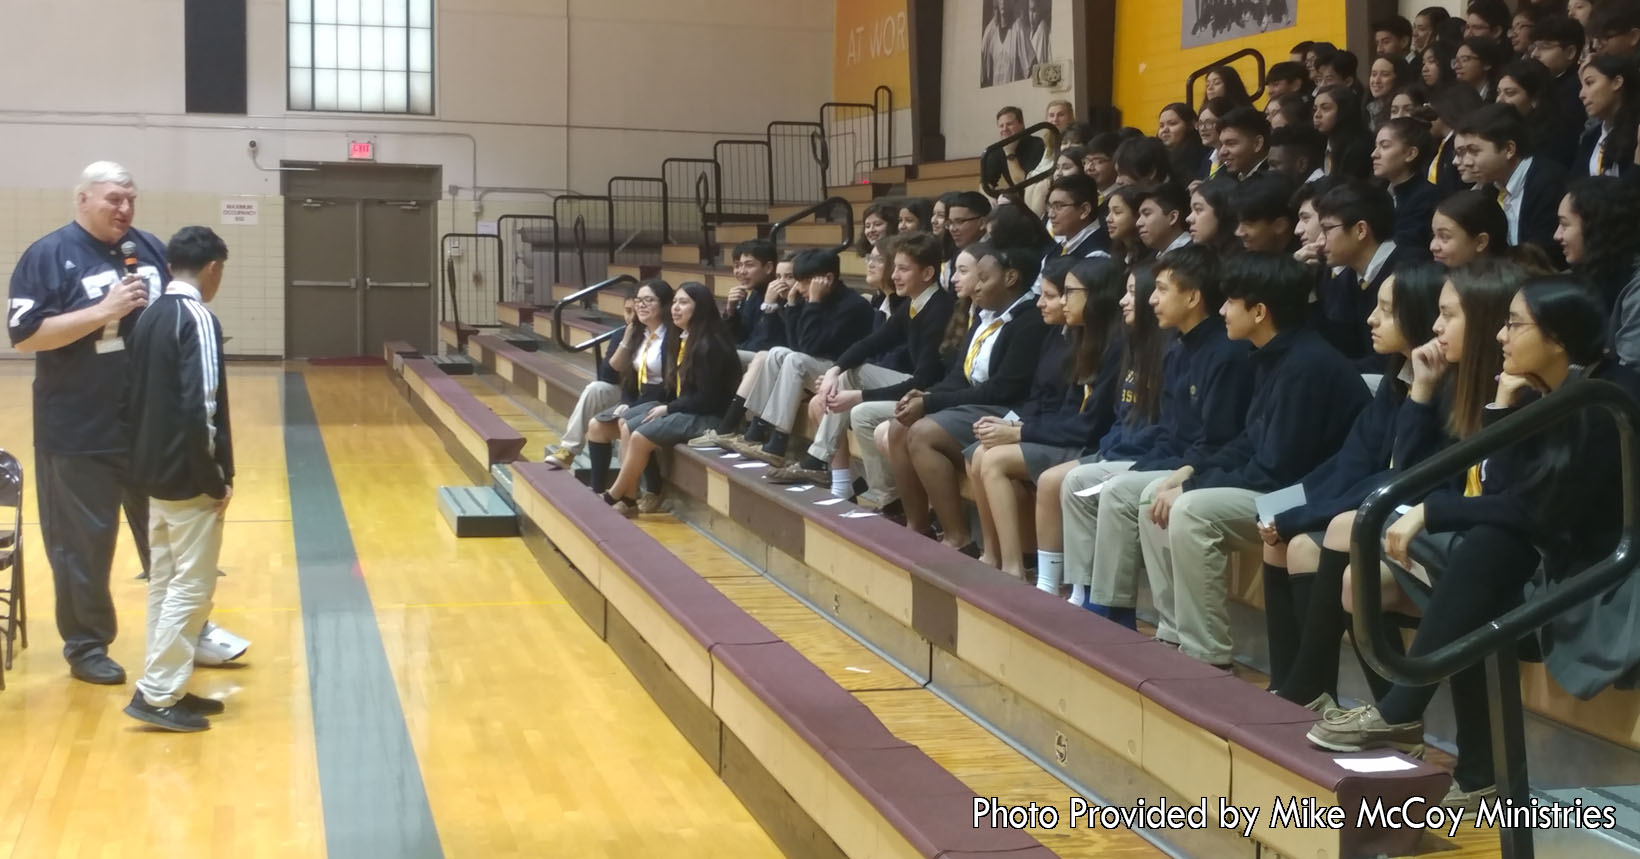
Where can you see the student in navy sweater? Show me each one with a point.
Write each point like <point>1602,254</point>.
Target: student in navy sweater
<point>1552,500</point>
<point>1357,220</point>
<point>753,329</point>
<point>1305,398</point>
<point>991,375</point>
<point>1403,148</point>
<point>1494,149</point>
<point>1302,610</point>
<point>859,393</point>
<point>1083,366</point>
<point>698,383</point>
<point>1207,383</point>
<point>825,317</point>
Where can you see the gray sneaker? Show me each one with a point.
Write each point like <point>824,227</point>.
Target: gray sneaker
<point>650,502</point>
<point>795,473</point>
<point>711,439</point>
<point>1361,728</point>
<point>1469,800</point>
<point>1325,705</point>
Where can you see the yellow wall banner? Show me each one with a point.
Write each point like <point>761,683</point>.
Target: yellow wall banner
<point>873,49</point>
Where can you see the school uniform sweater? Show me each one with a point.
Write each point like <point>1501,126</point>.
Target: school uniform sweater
<point>751,328</point>
<point>1415,202</point>
<point>1084,413</point>
<point>895,356</point>
<point>706,381</point>
<point>1207,382</point>
<point>825,329</point>
<point>1305,398</point>
<point>1126,440</point>
<point>1011,367</point>
<point>921,337</point>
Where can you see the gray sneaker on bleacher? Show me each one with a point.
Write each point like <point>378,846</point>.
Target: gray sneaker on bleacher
<point>712,438</point>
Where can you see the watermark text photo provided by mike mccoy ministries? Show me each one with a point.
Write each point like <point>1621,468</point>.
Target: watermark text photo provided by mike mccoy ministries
<point>1292,812</point>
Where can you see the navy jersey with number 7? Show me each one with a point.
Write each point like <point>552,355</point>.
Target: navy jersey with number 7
<point>79,388</point>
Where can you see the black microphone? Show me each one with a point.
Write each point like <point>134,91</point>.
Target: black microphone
<point>129,249</point>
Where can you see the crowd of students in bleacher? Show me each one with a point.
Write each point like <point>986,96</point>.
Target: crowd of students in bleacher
<point>1124,359</point>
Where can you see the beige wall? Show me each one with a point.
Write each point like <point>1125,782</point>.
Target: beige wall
<point>540,94</point>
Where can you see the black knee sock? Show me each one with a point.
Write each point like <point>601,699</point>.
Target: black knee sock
<point>599,454</point>
<point>757,431</point>
<point>777,443</point>
<point>650,481</point>
<point>1281,621</point>
<point>733,416</point>
<point>1392,631</point>
<point>812,463</point>
<point>1315,667</point>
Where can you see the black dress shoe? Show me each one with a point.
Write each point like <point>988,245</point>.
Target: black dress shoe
<point>172,718</point>
<point>201,706</point>
<point>99,670</point>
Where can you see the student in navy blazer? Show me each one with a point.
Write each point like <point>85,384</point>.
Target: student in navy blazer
<point>1494,149</point>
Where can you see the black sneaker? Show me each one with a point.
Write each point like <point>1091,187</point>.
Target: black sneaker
<point>173,718</point>
<point>99,670</point>
<point>201,706</point>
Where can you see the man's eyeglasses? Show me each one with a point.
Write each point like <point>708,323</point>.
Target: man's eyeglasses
<point>967,220</point>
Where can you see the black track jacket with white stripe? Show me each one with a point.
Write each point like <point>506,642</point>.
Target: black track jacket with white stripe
<point>177,401</point>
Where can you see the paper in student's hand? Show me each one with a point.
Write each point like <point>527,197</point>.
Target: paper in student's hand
<point>1011,417</point>
<point>1270,504</point>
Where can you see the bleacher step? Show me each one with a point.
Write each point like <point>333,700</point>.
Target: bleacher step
<point>453,364</point>
<point>477,511</point>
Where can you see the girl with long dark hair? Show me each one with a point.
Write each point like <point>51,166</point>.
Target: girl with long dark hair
<point>1349,145</point>
<point>1212,220</point>
<point>882,219</point>
<point>1611,96</point>
<point>1176,129</point>
<point>1596,232</point>
<point>644,359</point>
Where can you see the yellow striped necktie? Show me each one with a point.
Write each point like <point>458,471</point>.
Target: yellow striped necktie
<point>1435,163</point>
<point>980,337</point>
<point>678,369</point>
<point>1472,482</point>
<point>643,358</point>
<point>1214,169</point>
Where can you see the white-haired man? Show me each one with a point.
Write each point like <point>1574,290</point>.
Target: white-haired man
<point>75,296</point>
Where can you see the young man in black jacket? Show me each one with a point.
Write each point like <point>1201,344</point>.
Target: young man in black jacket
<point>752,323</point>
<point>1357,222</point>
<point>182,459</point>
<point>823,319</point>
<point>1493,147</point>
<point>1305,399</point>
<point>860,394</point>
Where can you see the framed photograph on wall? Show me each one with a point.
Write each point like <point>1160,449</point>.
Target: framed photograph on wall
<point>1207,22</point>
<point>1015,35</point>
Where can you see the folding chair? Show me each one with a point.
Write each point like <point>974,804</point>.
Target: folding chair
<point>15,621</point>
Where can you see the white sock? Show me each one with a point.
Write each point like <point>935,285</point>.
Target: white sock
<point>1050,570</point>
<point>842,482</point>
<point>1079,594</point>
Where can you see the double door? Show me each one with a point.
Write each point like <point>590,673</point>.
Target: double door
<point>358,272</point>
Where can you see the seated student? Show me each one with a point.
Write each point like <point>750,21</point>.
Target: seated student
<point>1122,223</point>
<point>778,311</point>
<point>1013,225</point>
<point>916,215</point>
<point>966,219</point>
<point>1289,111</point>
<point>1133,429</point>
<point>1263,214</point>
<point>1338,69</point>
<point>1007,167</point>
<point>1493,148</point>
<point>1450,104</point>
<point>825,318</point>
<point>1357,222</point>
<point>1597,220</point>
<point>1477,61</point>
<point>1303,617</point>
<point>1392,37</point>
<point>1207,127</point>
<point>602,393</point>
<point>698,383</point>
<point>1424,25</point>
<point>1305,399</point>
<point>1081,366</point>
<point>1207,384</point>
<point>1075,219</point>
<point>1607,147</point>
<point>1161,217</point>
<point>932,427</point>
<point>644,359</point>
<point>882,219</point>
<point>1299,152</point>
<point>1143,161</point>
<point>1307,228</point>
<point>1225,82</point>
<point>752,325</point>
<point>1614,27</point>
<point>1212,222</point>
<point>1176,128</point>
<point>1099,162</point>
<point>1244,142</point>
<point>1412,101</point>
<point>1552,502</point>
<point>1524,85</point>
<point>1338,115</point>
<point>858,393</point>
<point>1557,43</point>
<point>1286,77</point>
<point>1398,160</point>
<point>884,300</point>
<point>1468,225</point>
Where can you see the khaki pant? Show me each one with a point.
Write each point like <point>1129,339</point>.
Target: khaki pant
<point>828,436</point>
<point>863,419</point>
<point>1079,517</point>
<point>780,383</point>
<point>596,398</point>
<point>1116,558</point>
<point>1189,563</point>
<point>186,542</point>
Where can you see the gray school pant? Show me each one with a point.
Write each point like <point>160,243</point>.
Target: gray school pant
<point>595,398</point>
<point>186,540</point>
<point>79,500</point>
<point>828,436</point>
<point>863,419</point>
<point>1189,560</point>
<point>1079,518</point>
<point>1116,558</point>
<point>779,387</point>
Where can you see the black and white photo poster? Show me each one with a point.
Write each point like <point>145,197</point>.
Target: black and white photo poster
<point>1209,21</point>
<point>1014,37</point>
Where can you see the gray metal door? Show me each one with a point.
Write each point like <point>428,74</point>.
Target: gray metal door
<point>322,307</point>
<point>398,294</point>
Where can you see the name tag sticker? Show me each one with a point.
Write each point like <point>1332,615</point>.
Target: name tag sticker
<point>115,344</point>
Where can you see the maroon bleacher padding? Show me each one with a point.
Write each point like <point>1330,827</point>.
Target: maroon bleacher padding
<point>1047,616</point>
<point>688,474</point>
<point>504,442</point>
<point>1219,704</point>
<point>1036,851</point>
<point>811,703</point>
<point>1286,747</point>
<point>925,802</point>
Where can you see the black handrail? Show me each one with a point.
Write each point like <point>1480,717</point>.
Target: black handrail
<point>580,232</point>
<point>702,197</point>
<point>708,200</point>
<point>1496,642</point>
<point>609,219</point>
<point>845,206</point>
<point>1417,481</point>
<point>558,315</point>
<point>998,146</point>
<point>876,123</point>
<point>885,114</point>
<point>1190,82</point>
<point>819,151</point>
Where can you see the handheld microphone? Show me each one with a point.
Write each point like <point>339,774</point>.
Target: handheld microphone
<point>129,250</point>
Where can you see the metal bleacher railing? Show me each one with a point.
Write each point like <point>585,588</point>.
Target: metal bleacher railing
<point>1258,79</point>
<point>990,184</point>
<point>1497,641</point>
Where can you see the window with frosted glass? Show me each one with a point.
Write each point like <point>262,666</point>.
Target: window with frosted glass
<point>365,56</point>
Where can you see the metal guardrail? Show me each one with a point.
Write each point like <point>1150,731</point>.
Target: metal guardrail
<point>1496,641</point>
<point>1029,180</point>
<point>471,267</point>
<point>1190,82</point>
<point>582,295</point>
<point>522,237</point>
<point>830,203</point>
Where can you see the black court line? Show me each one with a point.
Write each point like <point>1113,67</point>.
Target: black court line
<point>369,781</point>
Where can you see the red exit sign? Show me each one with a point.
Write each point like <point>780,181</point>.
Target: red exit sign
<point>361,150</point>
